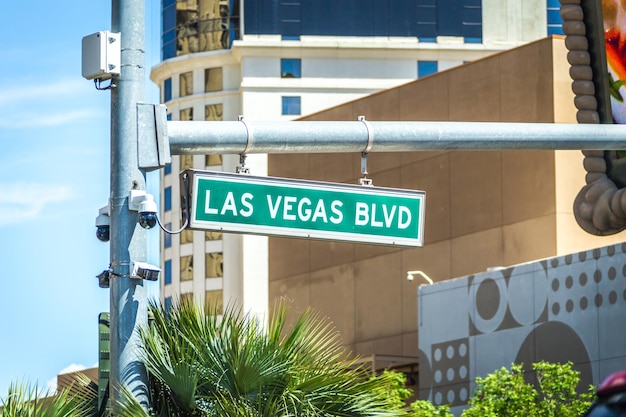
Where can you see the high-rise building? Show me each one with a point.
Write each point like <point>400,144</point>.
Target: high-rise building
<point>279,60</point>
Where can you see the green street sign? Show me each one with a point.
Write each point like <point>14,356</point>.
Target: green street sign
<point>243,203</point>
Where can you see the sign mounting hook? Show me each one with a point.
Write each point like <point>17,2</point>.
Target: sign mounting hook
<point>365,153</point>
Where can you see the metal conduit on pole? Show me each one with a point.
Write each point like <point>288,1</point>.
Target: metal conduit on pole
<point>325,137</point>
<point>128,241</point>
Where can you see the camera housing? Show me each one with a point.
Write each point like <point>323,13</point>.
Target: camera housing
<point>144,203</point>
<point>104,278</point>
<point>144,270</point>
<point>147,212</point>
<point>103,225</point>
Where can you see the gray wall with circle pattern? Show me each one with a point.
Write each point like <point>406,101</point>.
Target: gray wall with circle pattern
<point>567,308</point>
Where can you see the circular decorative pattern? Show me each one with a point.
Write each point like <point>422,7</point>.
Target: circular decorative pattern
<point>450,352</point>
<point>624,295</point>
<point>556,308</point>
<point>438,376</point>
<point>569,306</point>
<point>438,398</point>
<point>597,253</point>
<point>463,372</point>
<point>610,250</point>
<point>554,262</point>
<point>569,282</point>
<point>597,276</point>
<point>450,396</point>
<point>462,350</point>
<point>584,303</point>
<point>624,270</point>
<point>437,355</point>
<point>555,283</point>
<point>488,298</point>
<point>624,247</point>
<point>450,374</point>
<point>532,288</point>
<point>582,256</point>
<point>582,279</point>
<point>568,259</point>
<point>463,394</point>
<point>598,300</point>
<point>612,273</point>
<point>613,297</point>
<point>539,345</point>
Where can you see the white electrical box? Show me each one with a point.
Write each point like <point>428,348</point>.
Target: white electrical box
<point>102,55</point>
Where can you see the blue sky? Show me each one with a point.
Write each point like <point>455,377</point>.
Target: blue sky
<point>54,176</point>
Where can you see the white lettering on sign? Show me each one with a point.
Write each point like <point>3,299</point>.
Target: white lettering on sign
<point>230,205</point>
<point>363,217</point>
<point>302,209</point>
<point>334,207</point>
<point>304,214</point>
<point>245,201</point>
<point>288,208</point>
<point>207,202</point>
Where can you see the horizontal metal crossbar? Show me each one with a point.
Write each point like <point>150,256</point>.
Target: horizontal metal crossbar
<point>191,137</point>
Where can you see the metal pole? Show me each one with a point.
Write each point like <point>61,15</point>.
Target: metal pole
<point>310,137</point>
<point>128,241</point>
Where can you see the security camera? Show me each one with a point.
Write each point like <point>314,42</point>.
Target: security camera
<point>104,278</point>
<point>144,270</point>
<point>103,224</point>
<point>144,203</point>
<point>147,212</point>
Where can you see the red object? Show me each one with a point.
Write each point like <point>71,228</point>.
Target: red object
<point>613,383</point>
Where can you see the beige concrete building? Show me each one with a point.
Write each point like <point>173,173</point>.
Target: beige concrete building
<point>484,209</point>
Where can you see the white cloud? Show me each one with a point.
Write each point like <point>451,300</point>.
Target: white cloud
<point>20,93</point>
<point>51,385</point>
<point>20,202</point>
<point>48,104</point>
<point>31,120</point>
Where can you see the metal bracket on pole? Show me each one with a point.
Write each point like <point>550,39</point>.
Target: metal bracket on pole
<point>365,153</point>
<point>242,169</point>
<point>152,140</point>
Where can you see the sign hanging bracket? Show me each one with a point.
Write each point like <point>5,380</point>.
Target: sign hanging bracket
<point>370,141</point>
<point>242,169</point>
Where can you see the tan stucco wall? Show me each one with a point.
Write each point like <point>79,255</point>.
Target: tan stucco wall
<point>483,208</point>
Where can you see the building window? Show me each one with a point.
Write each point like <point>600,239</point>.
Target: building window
<point>167,169</point>
<point>186,115</point>
<point>425,68</point>
<point>167,279</point>
<point>214,301</point>
<point>213,265</point>
<point>213,235</point>
<point>167,90</point>
<point>555,23</point>
<point>213,80</point>
<point>167,198</point>
<point>167,239</point>
<point>186,84</point>
<point>212,160</point>
<point>186,236</point>
<point>186,298</point>
<point>213,112</point>
<point>290,68</point>
<point>186,268</point>
<point>291,105</point>
<point>186,162</point>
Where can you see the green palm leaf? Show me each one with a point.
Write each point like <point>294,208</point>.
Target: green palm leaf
<point>204,364</point>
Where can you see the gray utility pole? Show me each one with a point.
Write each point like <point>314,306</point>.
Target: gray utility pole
<point>128,240</point>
